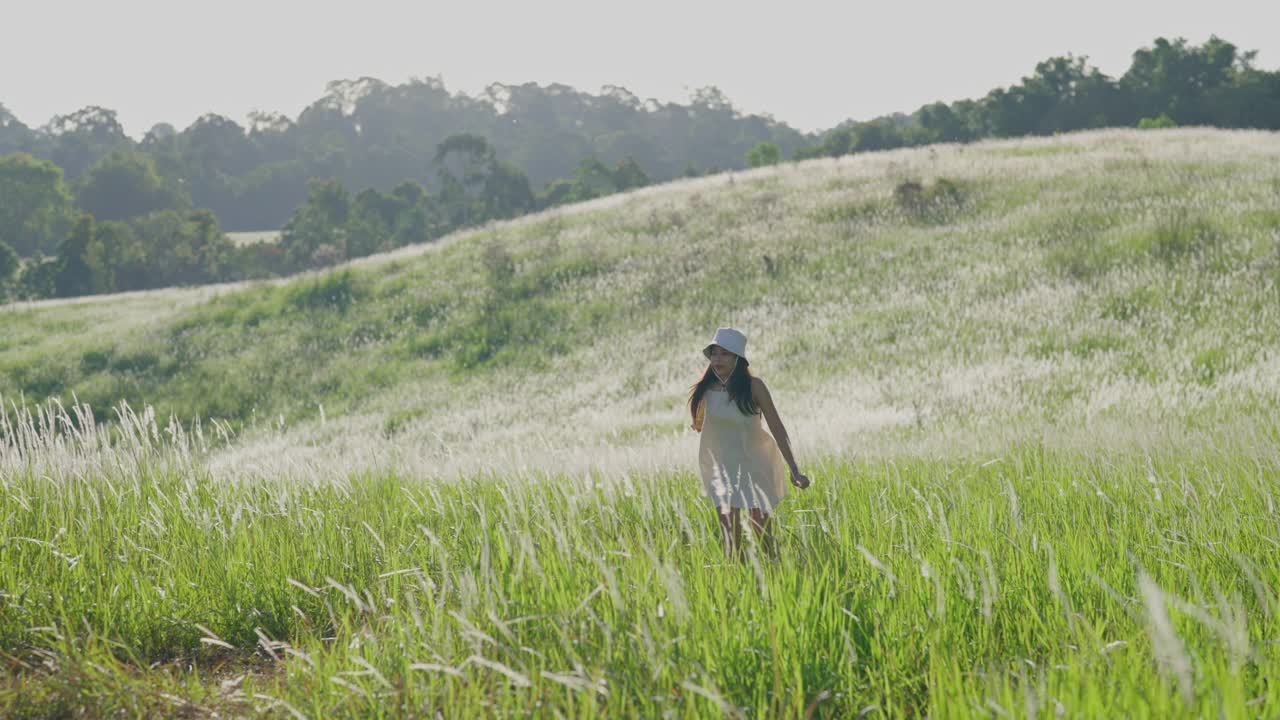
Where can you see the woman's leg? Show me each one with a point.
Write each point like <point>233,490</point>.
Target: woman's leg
<point>730,531</point>
<point>760,524</point>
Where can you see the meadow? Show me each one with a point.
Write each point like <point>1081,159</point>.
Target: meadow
<point>252,238</point>
<point>1035,383</point>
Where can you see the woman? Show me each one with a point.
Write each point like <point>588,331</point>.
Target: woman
<point>740,463</point>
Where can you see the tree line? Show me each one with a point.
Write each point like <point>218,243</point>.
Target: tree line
<point>85,209</point>
<point>141,238</point>
<point>369,134</point>
<point>1170,83</point>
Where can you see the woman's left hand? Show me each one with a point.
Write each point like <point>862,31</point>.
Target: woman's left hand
<point>800,480</point>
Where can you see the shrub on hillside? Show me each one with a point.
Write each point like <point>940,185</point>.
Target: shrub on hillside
<point>935,203</point>
<point>766,153</point>
<point>333,291</point>
<point>499,266</point>
<point>1160,122</point>
<point>1179,235</point>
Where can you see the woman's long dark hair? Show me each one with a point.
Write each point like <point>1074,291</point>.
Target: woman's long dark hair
<point>739,389</point>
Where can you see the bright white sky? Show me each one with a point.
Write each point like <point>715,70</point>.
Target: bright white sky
<point>810,63</point>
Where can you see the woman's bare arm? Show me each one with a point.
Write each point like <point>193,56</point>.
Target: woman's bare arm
<point>760,393</point>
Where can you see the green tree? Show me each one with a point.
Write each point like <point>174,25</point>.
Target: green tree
<point>410,193</point>
<point>462,161</point>
<point>264,191</point>
<point>37,278</point>
<point>765,153</point>
<point>78,140</point>
<point>627,175</point>
<point>625,146</point>
<point>73,275</point>
<point>124,258</point>
<point>1251,100</point>
<point>417,218</point>
<point>9,265</point>
<point>476,186</point>
<point>462,165</point>
<point>1175,78</point>
<point>124,185</point>
<point>592,180</point>
<point>35,207</point>
<point>177,248</point>
<point>215,144</point>
<point>556,193</point>
<point>316,234</point>
<point>837,143</point>
<point>506,192</point>
<point>943,123</point>
<point>369,223</point>
<point>14,135</point>
<point>416,224</point>
<point>1065,93</point>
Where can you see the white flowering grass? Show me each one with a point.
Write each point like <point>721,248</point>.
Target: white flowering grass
<point>1084,584</point>
<point>1105,278</point>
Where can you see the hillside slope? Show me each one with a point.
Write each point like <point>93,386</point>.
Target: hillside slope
<point>1099,287</point>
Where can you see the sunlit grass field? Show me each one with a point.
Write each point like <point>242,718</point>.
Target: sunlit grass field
<point>1032,583</point>
<point>1037,395</point>
<point>253,238</point>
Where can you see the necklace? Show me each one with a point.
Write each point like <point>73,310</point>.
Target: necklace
<point>723,380</point>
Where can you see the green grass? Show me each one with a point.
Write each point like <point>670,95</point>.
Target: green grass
<point>253,238</point>
<point>1038,581</point>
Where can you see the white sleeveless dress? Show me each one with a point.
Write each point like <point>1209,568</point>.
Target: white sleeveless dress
<point>738,459</point>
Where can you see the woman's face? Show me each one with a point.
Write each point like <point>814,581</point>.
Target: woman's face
<point>722,361</point>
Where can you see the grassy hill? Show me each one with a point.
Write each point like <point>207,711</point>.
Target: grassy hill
<point>1035,383</point>
<point>1061,288</point>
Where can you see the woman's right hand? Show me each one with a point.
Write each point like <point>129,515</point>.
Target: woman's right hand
<point>800,480</point>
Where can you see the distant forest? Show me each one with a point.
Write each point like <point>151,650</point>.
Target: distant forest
<point>371,166</point>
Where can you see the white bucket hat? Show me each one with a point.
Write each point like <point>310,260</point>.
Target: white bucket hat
<point>730,339</point>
